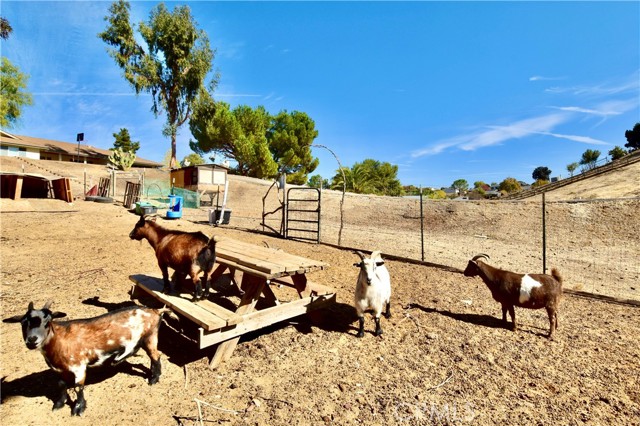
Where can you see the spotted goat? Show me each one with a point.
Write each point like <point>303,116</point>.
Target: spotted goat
<point>532,291</point>
<point>69,347</point>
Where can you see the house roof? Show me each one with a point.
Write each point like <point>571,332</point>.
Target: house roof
<point>67,148</point>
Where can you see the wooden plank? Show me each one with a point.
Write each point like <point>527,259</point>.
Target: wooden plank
<point>292,263</point>
<point>185,307</point>
<point>264,318</point>
<point>268,262</point>
<point>231,318</point>
<point>252,287</point>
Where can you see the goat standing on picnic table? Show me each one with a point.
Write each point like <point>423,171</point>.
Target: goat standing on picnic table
<point>532,291</point>
<point>69,347</point>
<point>187,253</point>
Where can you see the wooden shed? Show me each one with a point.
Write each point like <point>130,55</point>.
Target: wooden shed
<point>205,179</point>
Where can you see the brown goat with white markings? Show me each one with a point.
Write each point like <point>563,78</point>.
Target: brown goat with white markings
<point>532,291</point>
<point>69,347</point>
<point>187,253</point>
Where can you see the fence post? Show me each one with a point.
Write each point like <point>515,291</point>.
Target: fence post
<point>421,226</point>
<point>544,235</point>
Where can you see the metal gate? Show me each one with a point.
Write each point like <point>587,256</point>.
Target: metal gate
<point>302,215</point>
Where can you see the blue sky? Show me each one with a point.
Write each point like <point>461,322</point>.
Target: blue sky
<point>445,90</point>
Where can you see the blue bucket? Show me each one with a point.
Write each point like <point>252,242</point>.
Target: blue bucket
<point>175,207</point>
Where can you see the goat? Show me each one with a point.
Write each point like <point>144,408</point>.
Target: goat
<point>532,291</point>
<point>373,290</point>
<point>187,253</point>
<point>69,347</point>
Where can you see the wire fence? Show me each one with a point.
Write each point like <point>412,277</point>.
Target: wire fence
<point>593,243</point>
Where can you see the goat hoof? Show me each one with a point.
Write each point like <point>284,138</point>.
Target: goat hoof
<point>378,332</point>
<point>59,404</point>
<point>360,334</point>
<point>154,380</point>
<point>78,409</point>
<point>387,316</point>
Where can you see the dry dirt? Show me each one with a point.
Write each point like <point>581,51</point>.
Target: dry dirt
<point>444,357</point>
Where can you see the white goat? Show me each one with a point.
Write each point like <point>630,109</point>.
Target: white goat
<point>373,290</point>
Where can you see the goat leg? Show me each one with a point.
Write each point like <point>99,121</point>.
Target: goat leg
<point>378,328</point>
<point>62,398</point>
<point>156,370</point>
<point>553,322</point>
<point>512,312</point>
<point>387,314</point>
<point>166,289</point>
<point>361,329</point>
<point>81,403</point>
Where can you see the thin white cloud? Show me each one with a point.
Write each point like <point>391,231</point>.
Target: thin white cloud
<point>605,89</point>
<point>604,109</point>
<point>542,78</point>
<point>575,138</point>
<point>495,135</point>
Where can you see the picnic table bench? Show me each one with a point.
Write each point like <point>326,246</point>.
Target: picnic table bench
<point>256,271</point>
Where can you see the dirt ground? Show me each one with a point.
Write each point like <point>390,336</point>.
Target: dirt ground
<point>444,357</point>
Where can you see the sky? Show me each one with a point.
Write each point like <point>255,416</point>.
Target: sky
<point>476,90</point>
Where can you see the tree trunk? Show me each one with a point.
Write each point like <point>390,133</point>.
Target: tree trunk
<point>173,162</point>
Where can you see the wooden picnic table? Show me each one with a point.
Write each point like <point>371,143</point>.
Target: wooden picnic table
<point>256,271</point>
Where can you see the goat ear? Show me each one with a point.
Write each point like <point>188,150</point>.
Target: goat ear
<point>58,315</point>
<point>380,263</point>
<point>16,318</point>
<point>359,264</point>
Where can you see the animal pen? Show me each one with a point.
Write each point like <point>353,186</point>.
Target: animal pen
<point>587,240</point>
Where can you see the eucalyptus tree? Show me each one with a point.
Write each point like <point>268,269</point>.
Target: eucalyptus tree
<point>171,64</point>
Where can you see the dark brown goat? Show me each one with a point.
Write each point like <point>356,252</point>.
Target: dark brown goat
<point>187,253</point>
<point>532,291</point>
<point>69,347</point>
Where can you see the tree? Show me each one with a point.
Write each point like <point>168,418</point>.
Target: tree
<point>539,182</point>
<point>461,185</point>
<point>633,138</point>
<point>262,145</point>
<point>13,96</point>
<point>369,177</point>
<point>509,185</point>
<point>617,153</point>
<point>290,137</point>
<point>541,173</point>
<point>316,181</point>
<point>358,179</point>
<point>572,168</point>
<point>239,134</point>
<point>5,28</point>
<point>123,141</point>
<point>590,158</point>
<point>192,159</point>
<point>172,68</point>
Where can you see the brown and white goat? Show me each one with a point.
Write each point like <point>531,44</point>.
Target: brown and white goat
<point>187,253</point>
<point>532,291</point>
<point>69,347</point>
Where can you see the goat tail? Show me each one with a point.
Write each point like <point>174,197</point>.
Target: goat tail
<point>166,310</point>
<point>556,274</point>
<point>213,240</point>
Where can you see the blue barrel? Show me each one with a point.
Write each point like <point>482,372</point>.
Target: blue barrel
<point>175,207</point>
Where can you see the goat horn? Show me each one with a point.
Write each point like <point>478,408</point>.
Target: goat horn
<point>48,304</point>
<point>361,254</point>
<point>478,256</point>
